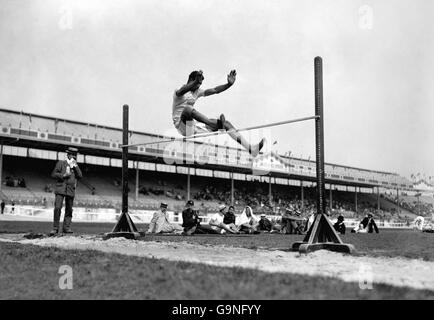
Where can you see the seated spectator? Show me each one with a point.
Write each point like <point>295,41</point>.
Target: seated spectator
<point>367,225</point>
<point>217,222</point>
<point>264,224</point>
<point>190,218</point>
<point>191,221</point>
<point>292,222</point>
<point>229,216</point>
<point>340,225</point>
<point>419,223</point>
<point>160,222</point>
<point>248,222</point>
<point>423,225</point>
<point>310,221</point>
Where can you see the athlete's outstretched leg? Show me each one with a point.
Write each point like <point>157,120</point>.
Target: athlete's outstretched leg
<point>190,114</point>
<point>253,149</point>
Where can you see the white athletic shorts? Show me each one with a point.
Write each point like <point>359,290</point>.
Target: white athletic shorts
<point>197,128</point>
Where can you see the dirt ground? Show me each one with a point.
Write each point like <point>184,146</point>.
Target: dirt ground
<point>32,272</point>
<point>394,264</point>
<point>365,270</point>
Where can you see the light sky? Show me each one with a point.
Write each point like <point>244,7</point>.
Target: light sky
<point>82,60</point>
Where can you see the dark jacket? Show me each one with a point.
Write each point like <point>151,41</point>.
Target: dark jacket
<point>65,186</point>
<point>229,218</point>
<point>265,224</point>
<point>340,227</point>
<point>190,218</point>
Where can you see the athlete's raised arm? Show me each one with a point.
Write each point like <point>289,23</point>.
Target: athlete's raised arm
<point>231,79</point>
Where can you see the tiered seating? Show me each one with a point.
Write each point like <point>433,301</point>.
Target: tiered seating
<point>171,188</point>
<point>17,193</point>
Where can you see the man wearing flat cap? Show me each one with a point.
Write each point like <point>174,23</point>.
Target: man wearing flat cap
<point>66,173</point>
<point>160,222</point>
<point>340,225</point>
<point>191,221</point>
<point>190,218</point>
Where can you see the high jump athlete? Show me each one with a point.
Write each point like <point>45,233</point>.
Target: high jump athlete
<point>184,113</point>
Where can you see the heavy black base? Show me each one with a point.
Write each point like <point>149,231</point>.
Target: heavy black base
<point>126,235</point>
<point>125,228</point>
<point>322,236</point>
<point>304,247</point>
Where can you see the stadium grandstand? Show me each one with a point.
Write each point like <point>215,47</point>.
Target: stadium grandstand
<point>211,174</point>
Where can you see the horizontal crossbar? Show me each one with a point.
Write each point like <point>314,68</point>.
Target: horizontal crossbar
<point>208,134</point>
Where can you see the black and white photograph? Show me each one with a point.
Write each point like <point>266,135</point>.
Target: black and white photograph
<point>217,154</point>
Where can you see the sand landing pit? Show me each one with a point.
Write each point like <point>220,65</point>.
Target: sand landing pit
<point>401,272</point>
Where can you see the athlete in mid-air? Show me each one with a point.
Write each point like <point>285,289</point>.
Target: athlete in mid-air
<point>184,114</point>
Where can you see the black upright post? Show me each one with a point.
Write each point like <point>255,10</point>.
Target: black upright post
<point>319,136</point>
<point>321,234</point>
<point>125,130</point>
<point>125,226</point>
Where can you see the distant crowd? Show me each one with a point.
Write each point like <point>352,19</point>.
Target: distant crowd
<point>259,201</point>
<point>16,182</point>
<point>252,194</point>
<point>417,207</point>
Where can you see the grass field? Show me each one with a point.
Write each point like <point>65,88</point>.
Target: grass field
<point>31,272</point>
<point>389,242</point>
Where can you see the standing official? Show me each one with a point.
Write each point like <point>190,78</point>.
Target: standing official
<point>66,173</point>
